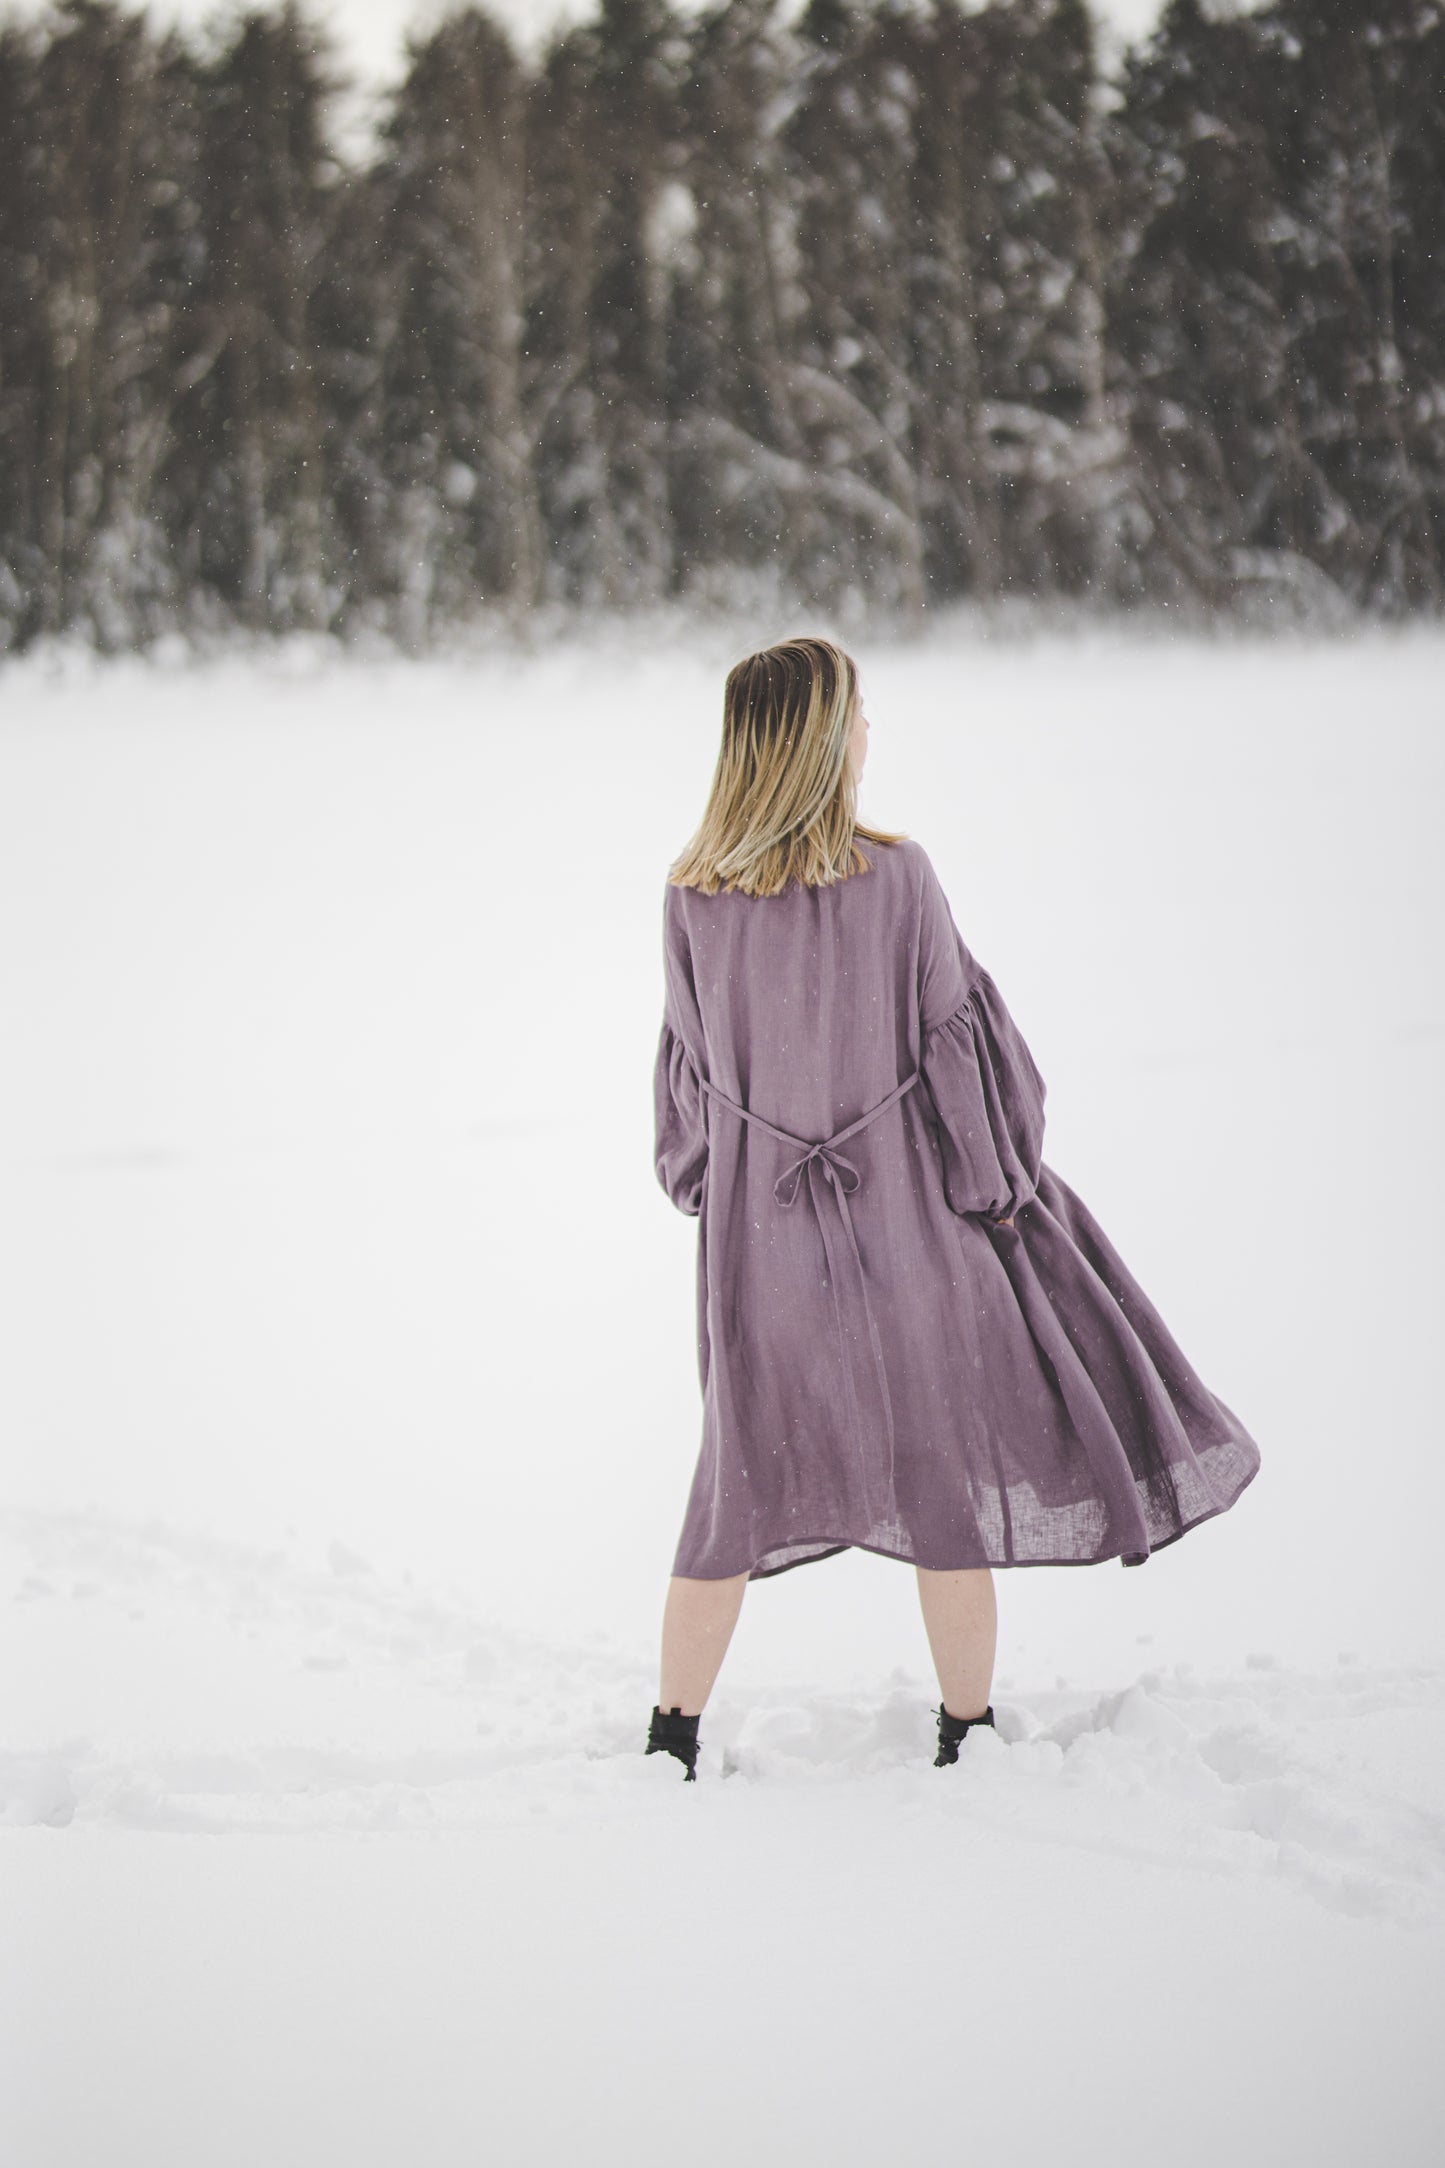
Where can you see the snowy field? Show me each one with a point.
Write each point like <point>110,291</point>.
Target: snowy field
<point>334,1530</point>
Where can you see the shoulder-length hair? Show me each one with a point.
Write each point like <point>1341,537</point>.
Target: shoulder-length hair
<point>784,798</point>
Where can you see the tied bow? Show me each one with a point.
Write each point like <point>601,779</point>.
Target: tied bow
<point>841,1172</point>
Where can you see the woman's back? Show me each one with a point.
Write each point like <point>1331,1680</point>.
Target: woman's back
<point>802,1005</point>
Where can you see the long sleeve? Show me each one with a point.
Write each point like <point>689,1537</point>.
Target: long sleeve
<point>679,1109</point>
<point>680,1152</point>
<point>984,1083</point>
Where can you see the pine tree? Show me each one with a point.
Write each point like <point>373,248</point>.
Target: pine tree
<point>606,153</point>
<point>850,147</point>
<point>26,593</point>
<point>92,268</point>
<point>460,455</point>
<point>252,429</point>
<point>1360,135</point>
<point>1054,441</point>
<point>1285,185</point>
<point>1198,324</point>
<point>744,517</point>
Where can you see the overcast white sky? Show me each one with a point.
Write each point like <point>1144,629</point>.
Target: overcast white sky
<point>370,32</point>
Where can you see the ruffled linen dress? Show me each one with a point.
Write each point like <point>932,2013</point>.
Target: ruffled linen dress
<point>843,1100</point>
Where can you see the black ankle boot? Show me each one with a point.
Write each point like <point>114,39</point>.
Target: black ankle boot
<point>675,1734</point>
<point>953,1728</point>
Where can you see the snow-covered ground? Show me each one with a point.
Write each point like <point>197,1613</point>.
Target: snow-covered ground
<point>348,1402</point>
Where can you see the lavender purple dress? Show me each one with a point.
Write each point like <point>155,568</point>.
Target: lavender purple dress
<point>845,1103</point>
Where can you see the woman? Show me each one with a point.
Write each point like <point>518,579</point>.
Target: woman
<point>913,1336</point>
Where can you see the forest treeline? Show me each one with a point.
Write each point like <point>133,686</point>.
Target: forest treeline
<point>880,303</point>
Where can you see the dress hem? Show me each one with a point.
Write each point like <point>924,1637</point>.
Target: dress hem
<point>1100,1558</point>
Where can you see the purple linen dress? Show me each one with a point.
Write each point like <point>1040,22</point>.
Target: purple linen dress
<point>846,1105</point>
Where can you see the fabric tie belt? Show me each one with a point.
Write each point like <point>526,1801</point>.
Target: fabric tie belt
<point>843,1178</point>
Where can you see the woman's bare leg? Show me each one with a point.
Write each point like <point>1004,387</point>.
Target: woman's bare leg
<point>960,1613</point>
<point>697,1625</point>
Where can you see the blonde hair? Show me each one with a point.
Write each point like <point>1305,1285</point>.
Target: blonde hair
<point>784,798</point>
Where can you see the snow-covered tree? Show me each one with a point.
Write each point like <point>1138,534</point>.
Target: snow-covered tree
<point>889,301</point>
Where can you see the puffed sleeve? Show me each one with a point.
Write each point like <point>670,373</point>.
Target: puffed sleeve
<point>984,1083</point>
<point>681,1134</point>
<point>679,1110</point>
